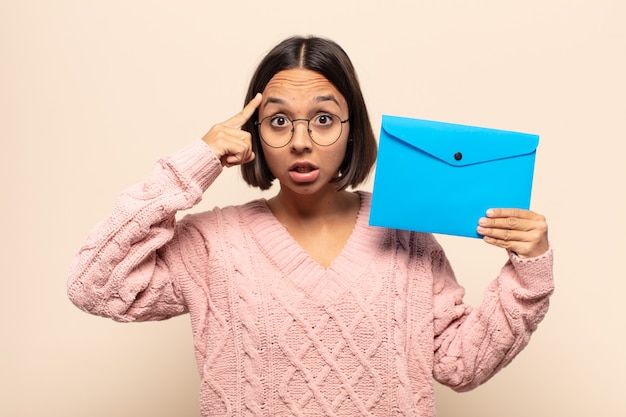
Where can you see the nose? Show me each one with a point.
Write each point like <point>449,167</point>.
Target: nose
<point>301,135</point>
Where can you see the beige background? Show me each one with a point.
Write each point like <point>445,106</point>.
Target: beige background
<point>93,92</point>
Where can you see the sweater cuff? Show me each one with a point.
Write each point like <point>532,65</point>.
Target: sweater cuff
<point>195,164</point>
<point>535,273</point>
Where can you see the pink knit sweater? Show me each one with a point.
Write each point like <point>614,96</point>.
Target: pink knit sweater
<point>275,333</point>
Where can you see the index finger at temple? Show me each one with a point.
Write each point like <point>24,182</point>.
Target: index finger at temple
<point>246,113</point>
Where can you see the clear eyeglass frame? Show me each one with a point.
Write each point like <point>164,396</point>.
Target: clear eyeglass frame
<point>260,123</point>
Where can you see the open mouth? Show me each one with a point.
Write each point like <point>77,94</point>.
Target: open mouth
<point>303,172</point>
<point>303,168</point>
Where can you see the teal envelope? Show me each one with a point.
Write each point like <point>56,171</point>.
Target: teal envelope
<point>442,177</point>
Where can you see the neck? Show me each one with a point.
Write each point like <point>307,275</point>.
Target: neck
<point>311,207</point>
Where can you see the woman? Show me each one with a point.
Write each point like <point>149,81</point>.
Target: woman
<point>297,306</point>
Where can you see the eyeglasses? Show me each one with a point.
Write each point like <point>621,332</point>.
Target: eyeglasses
<point>277,131</point>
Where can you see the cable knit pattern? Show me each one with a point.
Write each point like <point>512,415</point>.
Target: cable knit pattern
<point>275,333</point>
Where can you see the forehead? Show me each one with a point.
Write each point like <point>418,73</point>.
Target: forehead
<point>301,84</point>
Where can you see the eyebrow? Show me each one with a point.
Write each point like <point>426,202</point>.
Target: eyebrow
<point>318,99</point>
<point>273,100</point>
<point>329,97</point>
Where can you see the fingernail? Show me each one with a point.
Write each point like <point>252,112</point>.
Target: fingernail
<point>490,212</point>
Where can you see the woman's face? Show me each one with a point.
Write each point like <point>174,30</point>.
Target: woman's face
<point>303,166</point>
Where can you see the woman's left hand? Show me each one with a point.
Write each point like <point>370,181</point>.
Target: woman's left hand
<point>521,231</point>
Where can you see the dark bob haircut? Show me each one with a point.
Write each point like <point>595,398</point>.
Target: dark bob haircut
<point>330,60</point>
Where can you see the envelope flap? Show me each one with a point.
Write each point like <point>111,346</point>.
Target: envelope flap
<point>459,145</point>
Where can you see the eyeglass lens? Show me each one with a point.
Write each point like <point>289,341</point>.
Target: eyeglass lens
<point>278,130</point>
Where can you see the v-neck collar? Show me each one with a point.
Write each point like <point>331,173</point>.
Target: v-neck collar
<point>297,265</point>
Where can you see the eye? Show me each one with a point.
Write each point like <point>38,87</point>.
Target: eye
<point>279,121</point>
<point>323,120</point>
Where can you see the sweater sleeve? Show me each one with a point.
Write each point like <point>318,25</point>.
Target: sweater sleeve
<point>473,344</point>
<point>122,270</point>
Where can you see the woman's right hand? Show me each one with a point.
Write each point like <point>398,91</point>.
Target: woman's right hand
<point>230,144</point>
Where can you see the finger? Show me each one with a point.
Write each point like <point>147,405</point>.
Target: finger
<point>239,147</point>
<point>511,212</point>
<point>227,141</point>
<point>237,159</point>
<point>237,136</point>
<point>238,120</point>
<point>505,235</point>
<point>509,245</point>
<point>508,223</point>
<point>522,248</point>
<point>525,243</point>
<point>237,155</point>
